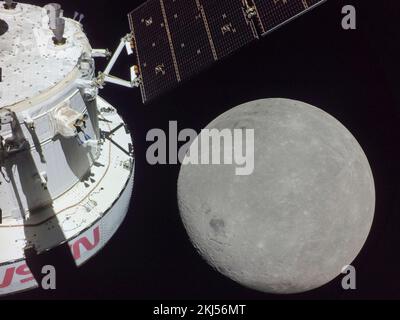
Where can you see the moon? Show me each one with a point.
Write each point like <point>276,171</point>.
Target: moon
<point>299,218</point>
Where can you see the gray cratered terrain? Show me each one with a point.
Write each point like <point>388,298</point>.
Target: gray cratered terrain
<point>304,213</point>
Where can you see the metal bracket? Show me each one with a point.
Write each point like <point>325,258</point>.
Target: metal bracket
<point>107,135</point>
<point>16,141</point>
<point>105,76</point>
<point>250,10</point>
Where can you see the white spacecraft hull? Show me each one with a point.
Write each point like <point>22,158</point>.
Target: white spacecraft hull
<point>66,156</point>
<point>16,276</point>
<point>88,224</point>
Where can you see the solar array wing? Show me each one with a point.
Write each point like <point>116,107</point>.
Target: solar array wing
<point>176,39</point>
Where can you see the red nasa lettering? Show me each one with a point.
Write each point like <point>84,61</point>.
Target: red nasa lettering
<point>22,271</point>
<point>24,275</point>
<point>85,242</point>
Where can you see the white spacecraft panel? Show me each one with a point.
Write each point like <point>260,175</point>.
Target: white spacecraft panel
<point>66,157</point>
<point>85,217</point>
<point>31,62</point>
<point>51,153</point>
<point>16,277</point>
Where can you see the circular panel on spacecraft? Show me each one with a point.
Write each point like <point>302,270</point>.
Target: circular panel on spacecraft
<point>31,63</point>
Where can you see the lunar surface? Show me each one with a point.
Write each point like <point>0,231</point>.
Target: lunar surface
<point>304,213</point>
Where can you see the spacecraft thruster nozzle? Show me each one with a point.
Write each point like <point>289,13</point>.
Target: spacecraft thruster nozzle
<point>59,32</point>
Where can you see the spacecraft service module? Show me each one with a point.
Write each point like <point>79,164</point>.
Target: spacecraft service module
<point>66,156</point>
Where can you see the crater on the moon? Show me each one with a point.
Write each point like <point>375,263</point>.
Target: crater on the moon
<point>218,226</point>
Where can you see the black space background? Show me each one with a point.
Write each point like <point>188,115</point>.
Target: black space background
<point>353,75</point>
